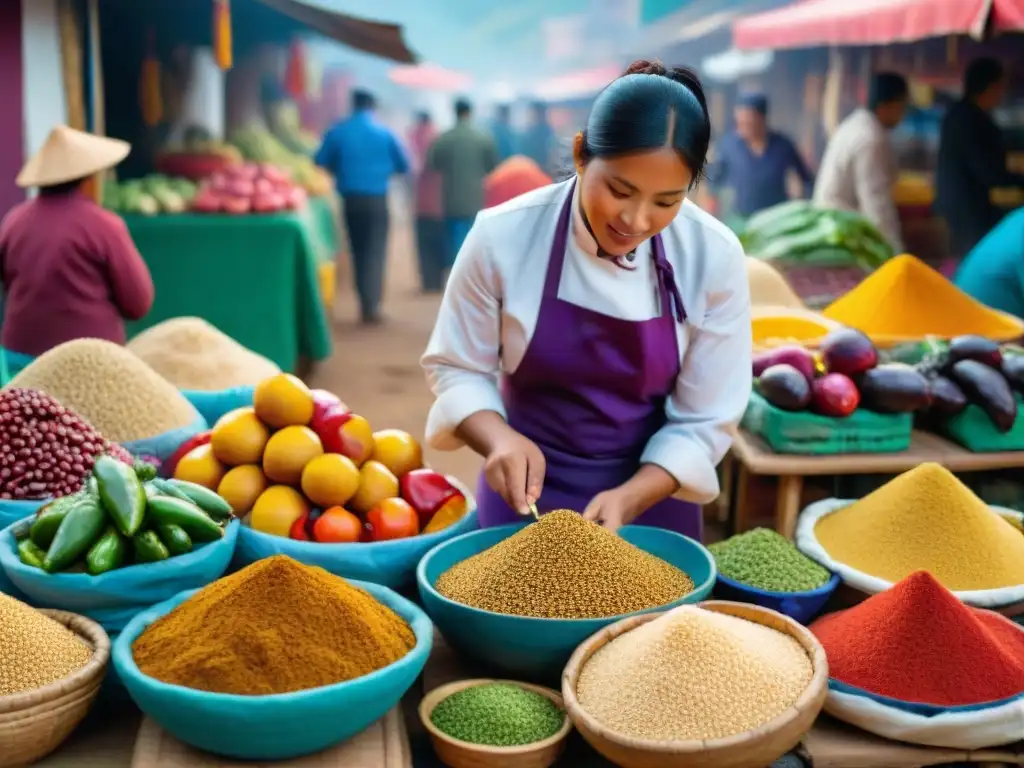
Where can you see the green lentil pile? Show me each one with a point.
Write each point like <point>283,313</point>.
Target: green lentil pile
<point>767,560</point>
<point>35,650</point>
<point>498,715</point>
<point>693,674</point>
<point>564,567</point>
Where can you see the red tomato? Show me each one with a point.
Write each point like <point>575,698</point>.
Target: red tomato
<point>337,526</point>
<point>298,529</point>
<point>392,519</point>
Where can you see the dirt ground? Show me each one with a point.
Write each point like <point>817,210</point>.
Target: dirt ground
<point>376,370</point>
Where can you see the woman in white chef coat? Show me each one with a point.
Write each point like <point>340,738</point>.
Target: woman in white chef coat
<point>593,344</point>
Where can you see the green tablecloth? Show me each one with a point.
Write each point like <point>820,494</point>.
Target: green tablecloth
<point>323,218</point>
<point>254,277</point>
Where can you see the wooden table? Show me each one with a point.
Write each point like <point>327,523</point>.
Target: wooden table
<point>750,455</point>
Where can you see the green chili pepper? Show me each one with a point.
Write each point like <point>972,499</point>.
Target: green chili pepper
<point>31,554</point>
<point>166,488</point>
<point>148,547</point>
<point>144,470</point>
<point>107,553</point>
<point>211,503</point>
<point>164,510</point>
<point>49,518</point>
<point>77,532</point>
<point>175,539</point>
<point>121,493</point>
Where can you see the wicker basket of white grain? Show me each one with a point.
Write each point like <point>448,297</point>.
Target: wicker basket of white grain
<point>719,685</point>
<point>55,673</point>
<point>192,354</point>
<point>125,399</point>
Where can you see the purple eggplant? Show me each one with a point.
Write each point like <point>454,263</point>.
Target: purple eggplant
<point>894,388</point>
<point>784,387</point>
<point>1013,370</point>
<point>975,348</point>
<point>988,388</point>
<point>947,398</point>
<point>848,351</point>
<point>793,355</point>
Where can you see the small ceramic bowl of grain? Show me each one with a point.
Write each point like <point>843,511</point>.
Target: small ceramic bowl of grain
<point>750,749</point>
<point>456,753</point>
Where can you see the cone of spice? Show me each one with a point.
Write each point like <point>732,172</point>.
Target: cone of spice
<point>916,642</point>
<point>926,519</point>
<point>767,560</point>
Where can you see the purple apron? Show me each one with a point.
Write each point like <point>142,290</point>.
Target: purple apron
<point>590,392</point>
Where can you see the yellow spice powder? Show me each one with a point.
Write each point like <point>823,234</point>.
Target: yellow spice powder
<point>926,519</point>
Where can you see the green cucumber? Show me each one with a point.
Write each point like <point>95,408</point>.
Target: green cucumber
<point>209,501</point>
<point>107,553</point>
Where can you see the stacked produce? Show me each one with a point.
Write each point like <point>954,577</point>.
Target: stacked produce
<point>46,450</point>
<point>766,560</point>
<point>564,567</point>
<point>972,370</point>
<point>198,156</point>
<point>303,628</point>
<point>848,376</point>
<point>193,354</point>
<point>906,300</point>
<point>261,146</point>
<point>925,519</point>
<point>109,387</point>
<point>693,674</point>
<point>916,642</point>
<point>35,650</point>
<point>249,188</point>
<point>124,516</point>
<point>150,195</point>
<point>300,464</point>
<point>498,715</point>
<point>799,233</point>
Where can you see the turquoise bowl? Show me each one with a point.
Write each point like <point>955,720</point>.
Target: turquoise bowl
<point>277,727</point>
<point>537,649</point>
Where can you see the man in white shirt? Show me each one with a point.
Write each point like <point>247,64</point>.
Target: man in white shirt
<point>858,170</point>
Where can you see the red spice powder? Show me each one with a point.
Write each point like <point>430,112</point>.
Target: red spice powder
<point>917,643</point>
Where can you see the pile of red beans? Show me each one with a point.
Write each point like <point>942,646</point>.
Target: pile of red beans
<point>46,450</point>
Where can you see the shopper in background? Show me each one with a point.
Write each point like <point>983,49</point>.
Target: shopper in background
<point>754,161</point>
<point>538,142</point>
<point>363,154</point>
<point>430,236</point>
<point>463,155</point>
<point>993,271</point>
<point>69,269</point>
<point>858,170</point>
<point>501,130</point>
<point>972,158</point>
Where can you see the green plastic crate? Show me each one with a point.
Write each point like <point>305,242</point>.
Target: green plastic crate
<point>974,430</point>
<point>810,434</point>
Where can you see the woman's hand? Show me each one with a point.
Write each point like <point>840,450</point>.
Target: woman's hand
<point>612,509</point>
<point>515,469</point>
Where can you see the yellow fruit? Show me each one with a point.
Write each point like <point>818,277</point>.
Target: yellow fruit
<point>376,483</point>
<point>397,450</point>
<point>241,487</point>
<point>277,509</point>
<point>330,480</point>
<point>200,466</point>
<point>239,437</point>
<point>283,401</point>
<point>288,452</point>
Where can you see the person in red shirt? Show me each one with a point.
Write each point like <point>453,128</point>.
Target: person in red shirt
<point>68,268</point>
<point>514,177</point>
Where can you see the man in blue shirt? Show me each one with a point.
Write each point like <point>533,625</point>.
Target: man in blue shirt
<point>993,272</point>
<point>754,161</point>
<point>363,155</point>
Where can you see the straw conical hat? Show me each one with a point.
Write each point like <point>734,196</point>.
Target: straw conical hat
<point>68,155</point>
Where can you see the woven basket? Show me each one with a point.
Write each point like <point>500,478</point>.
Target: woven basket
<point>753,749</point>
<point>34,723</point>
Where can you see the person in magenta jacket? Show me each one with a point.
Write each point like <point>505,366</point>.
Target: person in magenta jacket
<point>69,268</point>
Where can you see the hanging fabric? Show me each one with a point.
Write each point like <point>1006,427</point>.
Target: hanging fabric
<point>295,72</point>
<point>150,97</point>
<point>222,47</point>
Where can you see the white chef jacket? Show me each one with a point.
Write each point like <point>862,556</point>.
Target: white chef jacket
<point>490,308</point>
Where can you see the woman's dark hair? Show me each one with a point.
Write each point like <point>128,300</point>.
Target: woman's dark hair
<point>636,111</point>
<point>64,188</point>
<point>981,75</point>
<point>885,88</point>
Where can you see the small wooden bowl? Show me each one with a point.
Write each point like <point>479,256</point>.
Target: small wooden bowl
<point>462,754</point>
<point>34,723</point>
<point>752,749</point>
